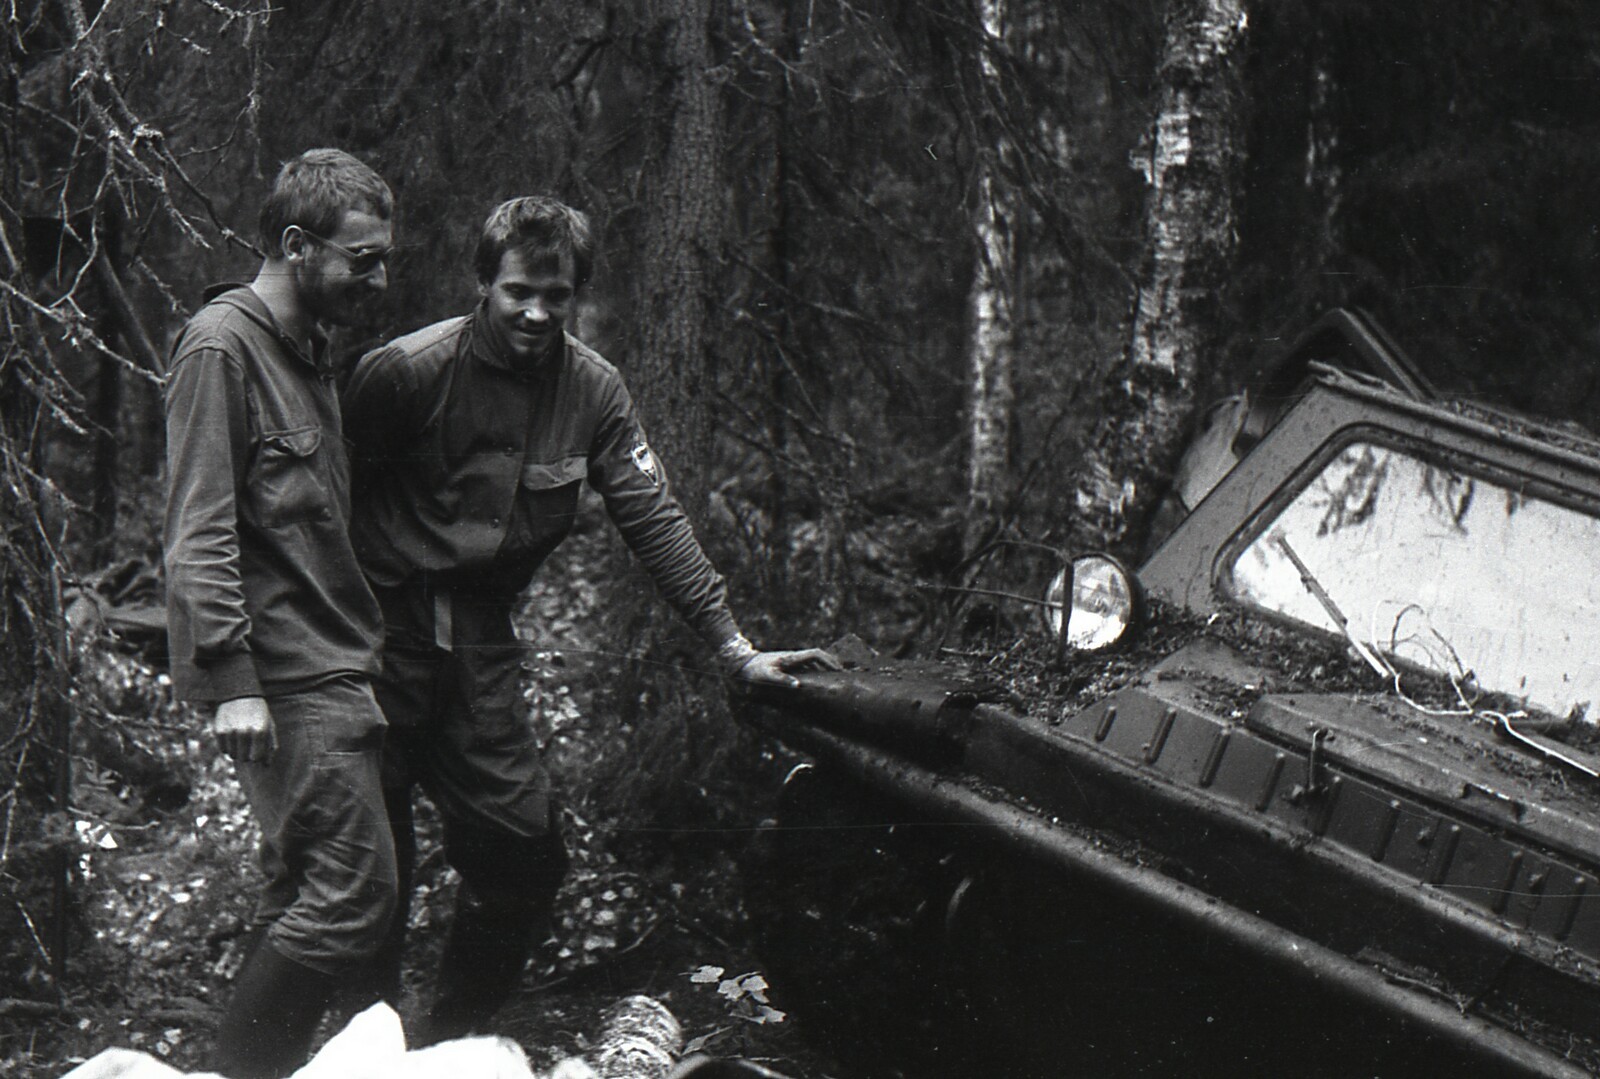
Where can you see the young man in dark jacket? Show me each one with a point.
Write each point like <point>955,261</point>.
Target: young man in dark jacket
<point>477,433</point>
<point>273,628</point>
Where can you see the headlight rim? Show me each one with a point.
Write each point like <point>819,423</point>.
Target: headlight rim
<point>1051,612</point>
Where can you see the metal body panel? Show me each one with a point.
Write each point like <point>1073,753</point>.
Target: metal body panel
<point>1324,863</point>
<point>1353,838</point>
<point>1030,833</point>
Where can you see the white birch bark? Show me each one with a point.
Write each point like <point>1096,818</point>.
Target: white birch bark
<point>992,399</point>
<point>1190,239</point>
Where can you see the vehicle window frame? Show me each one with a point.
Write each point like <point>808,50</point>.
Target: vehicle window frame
<point>1233,547</point>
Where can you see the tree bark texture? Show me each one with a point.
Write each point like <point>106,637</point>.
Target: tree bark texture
<point>1193,170</point>
<point>1323,181</point>
<point>669,367</point>
<point>992,392</point>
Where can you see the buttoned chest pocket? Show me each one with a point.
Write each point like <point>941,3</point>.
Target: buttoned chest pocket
<point>286,482</point>
<point>550,493</point>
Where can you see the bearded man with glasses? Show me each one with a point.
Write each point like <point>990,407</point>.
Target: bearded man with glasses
<point>273,629</point>
<point>359,262</point>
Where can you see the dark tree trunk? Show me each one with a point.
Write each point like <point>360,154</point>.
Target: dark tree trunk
<point>669,368</point>
<point>783,329</point>
<point>669,373</point>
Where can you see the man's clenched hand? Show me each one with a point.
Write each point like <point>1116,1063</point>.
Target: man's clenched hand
<point>243,729</point>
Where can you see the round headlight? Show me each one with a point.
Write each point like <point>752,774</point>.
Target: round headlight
<point>1102,606</point>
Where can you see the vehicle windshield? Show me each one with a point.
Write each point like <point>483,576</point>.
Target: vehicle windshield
<point>1448,571</point>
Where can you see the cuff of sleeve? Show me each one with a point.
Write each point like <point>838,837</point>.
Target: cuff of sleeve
<point>734,653</point>
<point>230,676</point>
<point>717,624</point>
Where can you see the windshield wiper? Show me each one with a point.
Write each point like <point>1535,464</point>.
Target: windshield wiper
<point>1313,586</point>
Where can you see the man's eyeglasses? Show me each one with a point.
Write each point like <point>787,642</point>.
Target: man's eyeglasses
<point>359,262</point>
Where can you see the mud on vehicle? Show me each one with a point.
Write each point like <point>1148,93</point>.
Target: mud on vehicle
<point>1308,792</point>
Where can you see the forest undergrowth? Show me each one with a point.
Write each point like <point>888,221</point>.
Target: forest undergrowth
<point>163,870</point>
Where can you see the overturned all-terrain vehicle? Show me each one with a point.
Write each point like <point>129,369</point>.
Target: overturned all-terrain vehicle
<point>1323,806</point>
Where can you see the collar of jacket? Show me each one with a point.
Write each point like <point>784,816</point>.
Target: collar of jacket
<point>484,347</point>
<point>243,298</point>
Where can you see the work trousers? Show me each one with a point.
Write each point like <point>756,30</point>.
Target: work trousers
<point>457,729</point>
<point>326,848</point>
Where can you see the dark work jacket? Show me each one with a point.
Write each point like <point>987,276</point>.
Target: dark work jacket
<point>469,473</point>
<point>264,595</point>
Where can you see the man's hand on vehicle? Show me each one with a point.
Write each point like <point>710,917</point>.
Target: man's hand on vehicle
<point>772,667</point>
<point>243,730</point>
<point>741,660</point>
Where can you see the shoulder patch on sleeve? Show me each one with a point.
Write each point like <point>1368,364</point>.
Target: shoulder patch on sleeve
<point>645,462</point>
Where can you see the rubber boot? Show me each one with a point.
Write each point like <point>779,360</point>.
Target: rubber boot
<point>484,956</point>
<point>266,1031</point>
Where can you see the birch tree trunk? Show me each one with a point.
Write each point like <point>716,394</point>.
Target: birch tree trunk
<point>992,391</point>
<point>1195,154</point>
